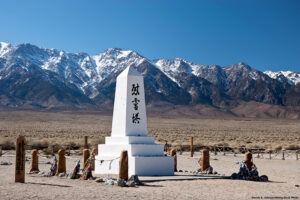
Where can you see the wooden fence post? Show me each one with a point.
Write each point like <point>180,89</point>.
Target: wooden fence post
<point>20,160</point>
<point>123,166</point>
<point>224,151</point>
<point>61,164</point>
<point>191,147</point>
<point>174,155</point>
<point>86,155</point>
<point>34,163</point>
<point>204,160</point>
<point>0,151</point>
<point>215,150</point>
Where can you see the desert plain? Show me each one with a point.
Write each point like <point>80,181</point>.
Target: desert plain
<point>43,129</point>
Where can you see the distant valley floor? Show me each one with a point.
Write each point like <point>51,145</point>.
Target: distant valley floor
<point>66,129</point>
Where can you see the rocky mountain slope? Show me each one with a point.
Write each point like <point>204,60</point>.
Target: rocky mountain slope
<point>33,77</point>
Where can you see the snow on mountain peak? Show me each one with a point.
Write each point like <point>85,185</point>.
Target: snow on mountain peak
<point>175,65</point>
<point>114,60</point>
<point>243,70</point>
<point>117,53</point>
<point>292,77</point>
<point>4,48</point>
<point>171,68</point>
<point>4,44</point>
<point>124,53</point>
<point>239,66</point>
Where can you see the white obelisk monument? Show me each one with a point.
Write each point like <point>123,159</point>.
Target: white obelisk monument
<point>129,132</point>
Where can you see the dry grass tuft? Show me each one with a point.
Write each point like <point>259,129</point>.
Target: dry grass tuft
<point>292,147</point>
<point>7,143</point>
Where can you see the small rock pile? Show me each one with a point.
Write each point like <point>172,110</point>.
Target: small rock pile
<point>132,181</point>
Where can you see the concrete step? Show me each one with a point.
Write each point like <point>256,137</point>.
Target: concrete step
<point>133,149</point>
<point>141,166</point>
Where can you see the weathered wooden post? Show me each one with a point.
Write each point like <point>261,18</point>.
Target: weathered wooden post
<point>249,160</point>
<point>94,153</point>
<point>20,160</point>
<point>191,147</point>
<point>85,142</point>
<point>224,151</point>
<point>123,166</point>
<point>174,155</point>
<point>270,155</point>
<point>215,150</point>
<point>283,155</point>
<point>86,155</point>
<point>61,164</point>
<point>205,160</point>
<point>0,151</point>
<point>34,163</point>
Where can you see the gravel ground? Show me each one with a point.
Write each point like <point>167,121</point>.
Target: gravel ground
<point>284,176</point>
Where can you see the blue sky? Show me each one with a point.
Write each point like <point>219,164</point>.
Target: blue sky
<point>264,34</point>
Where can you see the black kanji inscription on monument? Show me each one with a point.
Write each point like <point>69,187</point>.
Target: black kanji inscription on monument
<point>135,89</point>
<point>135,118</point>
<point>135,104</point>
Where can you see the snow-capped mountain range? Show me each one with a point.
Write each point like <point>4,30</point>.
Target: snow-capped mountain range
<point>49,78</point>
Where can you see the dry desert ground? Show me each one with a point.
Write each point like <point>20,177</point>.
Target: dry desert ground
<point>284,176</point>
<point>45,130</point>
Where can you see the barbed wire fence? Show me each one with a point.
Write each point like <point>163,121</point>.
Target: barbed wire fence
<point>259,153</point>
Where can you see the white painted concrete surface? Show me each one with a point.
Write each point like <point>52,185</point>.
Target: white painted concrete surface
<point>130,140</point>
<point>129,132</point>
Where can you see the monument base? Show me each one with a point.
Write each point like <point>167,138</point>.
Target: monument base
<point>141,165</point>
<point>145,158</point>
